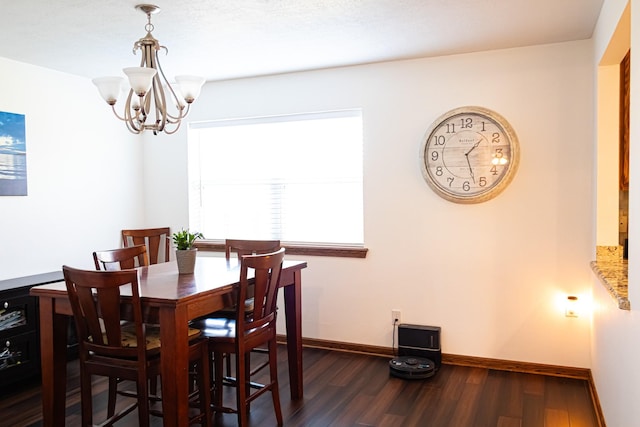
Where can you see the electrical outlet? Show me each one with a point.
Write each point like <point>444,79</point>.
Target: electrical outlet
<point>395,317</point>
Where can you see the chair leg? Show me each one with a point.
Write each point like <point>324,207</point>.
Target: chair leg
<point>113,395</point>
<point>153,387</point>
<point>227,358</point>
<point>218,359</point>
<point>273,372</point>
<point>86,399</point>
<point>242,389</point>
<point>247,376</point>
<point>143,398</point>
<point>204,386</point>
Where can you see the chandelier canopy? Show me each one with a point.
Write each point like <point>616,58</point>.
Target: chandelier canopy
<point>150,92</point>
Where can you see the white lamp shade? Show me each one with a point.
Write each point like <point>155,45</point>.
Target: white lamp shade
<point>109,88</point>
<point>140,78</point>
<point>190,87</point>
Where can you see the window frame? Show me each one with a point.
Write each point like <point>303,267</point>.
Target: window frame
<point>293,248</point>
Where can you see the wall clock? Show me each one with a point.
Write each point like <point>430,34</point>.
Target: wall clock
<point>469,155</point>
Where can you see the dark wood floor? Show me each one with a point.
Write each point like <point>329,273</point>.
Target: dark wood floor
<point>347,389</point>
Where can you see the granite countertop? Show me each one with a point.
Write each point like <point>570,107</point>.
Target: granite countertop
<point>612,271</point>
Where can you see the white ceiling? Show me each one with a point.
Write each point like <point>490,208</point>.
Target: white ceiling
<point>222,39</point>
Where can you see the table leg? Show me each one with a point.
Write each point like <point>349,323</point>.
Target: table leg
<point>174,358</point>
<point>293,314</point>
<point>53,356</point>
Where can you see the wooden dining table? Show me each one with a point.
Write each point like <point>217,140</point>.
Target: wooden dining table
<point>174,299</point>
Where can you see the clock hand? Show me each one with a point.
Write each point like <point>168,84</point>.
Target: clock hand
<point>473,148</point>
<point>469,163</point>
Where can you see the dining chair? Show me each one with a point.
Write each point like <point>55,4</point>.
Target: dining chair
<point>156,240</point>
<point>124,350</point>
<point>121,258</point>
<point>246,332</point>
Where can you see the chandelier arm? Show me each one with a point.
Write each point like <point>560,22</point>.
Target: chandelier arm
<point>172,94</point>
<point>113,108</point>
<point>183,113</point>
<point>170,132</point>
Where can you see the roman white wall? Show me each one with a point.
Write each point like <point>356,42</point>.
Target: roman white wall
<point>616,343</point>
<point>494,275</point>
<point>83,170</point>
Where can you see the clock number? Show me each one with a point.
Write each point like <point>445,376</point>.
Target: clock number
<point>434,156</point>
<point>494,170</point>
<point>466,186</point>
<point>439,171</point>
<point>451,128</point>
<point>498,153</point>
<point>450,180</point>
<point>483,128</point>
<point>482,182</point>
<point>466,123</point>
<point>495,138</point>
<point>438,140</point>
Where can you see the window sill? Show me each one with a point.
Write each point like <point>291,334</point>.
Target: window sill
<point>293,249</point>
<point>612,271</point>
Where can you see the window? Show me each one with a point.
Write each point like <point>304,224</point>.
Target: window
<point>297,178</point>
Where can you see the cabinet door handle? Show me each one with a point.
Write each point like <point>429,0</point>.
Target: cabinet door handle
<point>6,304</point>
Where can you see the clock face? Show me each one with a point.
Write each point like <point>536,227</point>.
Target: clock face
<point>469,155</point>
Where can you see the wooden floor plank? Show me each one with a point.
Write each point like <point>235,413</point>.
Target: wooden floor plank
<point>556,418</point>
<point>533,410</point>
<point>509,422</point>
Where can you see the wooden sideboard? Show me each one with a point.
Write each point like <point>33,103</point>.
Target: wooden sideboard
<point>19,338</point>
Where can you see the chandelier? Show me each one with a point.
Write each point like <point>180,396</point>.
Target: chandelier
<point>150,94</point>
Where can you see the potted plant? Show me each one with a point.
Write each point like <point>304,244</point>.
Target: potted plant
<point>183,240</point>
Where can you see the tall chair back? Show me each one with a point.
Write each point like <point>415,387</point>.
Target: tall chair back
<point>156,240</point>
<point>267,269</point>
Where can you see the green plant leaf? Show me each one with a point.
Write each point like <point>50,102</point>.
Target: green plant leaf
<point>184,239</point>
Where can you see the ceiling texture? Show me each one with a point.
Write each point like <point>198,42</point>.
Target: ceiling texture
<point>225,39</point>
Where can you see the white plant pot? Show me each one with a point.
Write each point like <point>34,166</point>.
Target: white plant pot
<point>186,259</point>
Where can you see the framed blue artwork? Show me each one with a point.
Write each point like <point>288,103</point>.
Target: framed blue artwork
<point>13,155</point>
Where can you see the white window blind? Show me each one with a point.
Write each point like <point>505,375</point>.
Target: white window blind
<point>297,178</point>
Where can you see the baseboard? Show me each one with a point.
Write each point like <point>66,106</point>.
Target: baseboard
<point>471,361</point>
<point>596,401</point>
<point>515,366</point>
